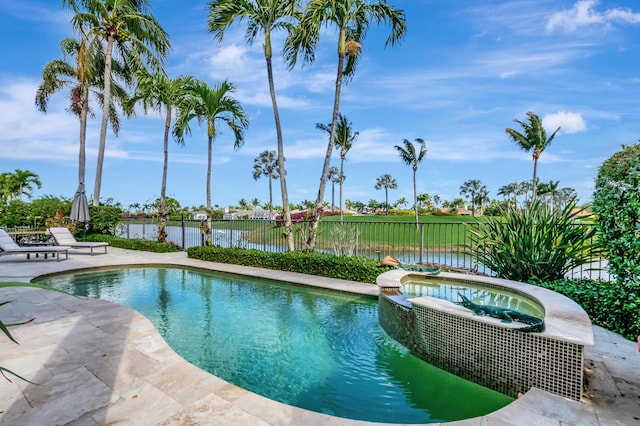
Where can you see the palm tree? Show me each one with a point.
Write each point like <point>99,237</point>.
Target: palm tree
<point>506,191</point>
<point>84,75</point>
<point>387,182</point>
<point>424,200</point>
<point>266,164</point>
<point>255,203</point>
<point>158,91</point>
<point>523,188</point>
<point>129,27</point>
<point>263,16</point>
<point>344,140</point>
<point>534,139</point>
<point>400,203</point>
<point>482,196</point>
<point>15,185</point>
<point>24,180</point>
<point>469,189</point>
<point>333,177</point>
<point>211,105</point>
<point>436,200</point>
<point>410,157</point>
<point>352,19</point>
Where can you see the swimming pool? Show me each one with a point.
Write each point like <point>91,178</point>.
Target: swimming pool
<point>315,349</point>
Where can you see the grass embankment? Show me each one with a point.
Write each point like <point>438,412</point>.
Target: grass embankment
<point>374,232</point>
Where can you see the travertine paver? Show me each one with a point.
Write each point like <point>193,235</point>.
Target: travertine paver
<point>97,363</point>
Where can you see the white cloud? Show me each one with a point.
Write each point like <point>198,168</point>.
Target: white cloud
<point>584,14</point>
<point>569,122</point>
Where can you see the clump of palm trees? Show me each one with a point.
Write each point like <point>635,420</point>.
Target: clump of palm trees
<point>15,185</point>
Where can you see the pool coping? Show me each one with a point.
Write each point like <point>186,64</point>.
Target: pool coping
<point>221,402</point>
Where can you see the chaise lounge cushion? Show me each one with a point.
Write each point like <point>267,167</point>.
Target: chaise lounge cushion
<point>8,246</point>
<point>63,236</point>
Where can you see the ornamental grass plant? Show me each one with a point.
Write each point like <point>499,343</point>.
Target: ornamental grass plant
<point>535,243</point>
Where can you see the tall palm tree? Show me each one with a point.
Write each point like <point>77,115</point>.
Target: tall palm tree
<point>83,73</point>
<point>352,18</point>
<point>387,182</point>
<point>158,91</point>
<point>129,28</point>
<point>263,16</point>
<point>344,139</point>
<point>413,158</point>
<point>266,164</point>
<point>211,105</point>
<point>534,138</point>
<point>469,189</point>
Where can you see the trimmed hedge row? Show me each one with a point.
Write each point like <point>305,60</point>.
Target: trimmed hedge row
<point>611,305</point>
<point>133,243</point>
<point>354,268</point>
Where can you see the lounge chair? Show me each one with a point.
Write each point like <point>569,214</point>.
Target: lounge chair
<point>63,237</point>
<point>8,246</point>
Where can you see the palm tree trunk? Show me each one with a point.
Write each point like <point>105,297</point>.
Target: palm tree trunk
<point>270,198</point>
<point>82,157</point>
<point>341,179</point>
<point>315,214</point>
<point>415,197</point>
<point>207,229</point>
<point>164,213</point>
<point>105,119</point>
<point>333,196</point>
<point>386,199</point>
<point>286,211</point>
<point>535,175</point>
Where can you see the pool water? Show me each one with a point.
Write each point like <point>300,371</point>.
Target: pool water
<point>315,349</point>
<point>450,290</point>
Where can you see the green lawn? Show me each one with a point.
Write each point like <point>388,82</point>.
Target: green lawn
<point>375,232</point>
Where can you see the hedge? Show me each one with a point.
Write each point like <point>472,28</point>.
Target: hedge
<point>354,268</point>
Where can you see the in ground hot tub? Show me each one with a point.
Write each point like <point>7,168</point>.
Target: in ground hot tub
<point>483,349</point>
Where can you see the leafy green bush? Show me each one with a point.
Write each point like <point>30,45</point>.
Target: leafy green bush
<point>133,244</point>
<point>35,213</point>
<point>534,243</point>
<point>354,268</point>
<point>616,201</point>
<point>611,305</point>
<point>104,219</point>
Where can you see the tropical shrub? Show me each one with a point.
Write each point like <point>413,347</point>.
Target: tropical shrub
<point>535,243</point>
<point>609,304</point>
<point>354,268</point>
<point>104,219</point>
<point>34,213</point>
<point>616,202</point>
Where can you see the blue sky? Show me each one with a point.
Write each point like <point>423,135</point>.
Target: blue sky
<point>465,70</point>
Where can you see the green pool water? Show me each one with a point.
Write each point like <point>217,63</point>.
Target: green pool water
<point>315,349</point>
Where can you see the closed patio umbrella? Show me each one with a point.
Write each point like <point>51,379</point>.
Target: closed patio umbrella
<point>79,206</point>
